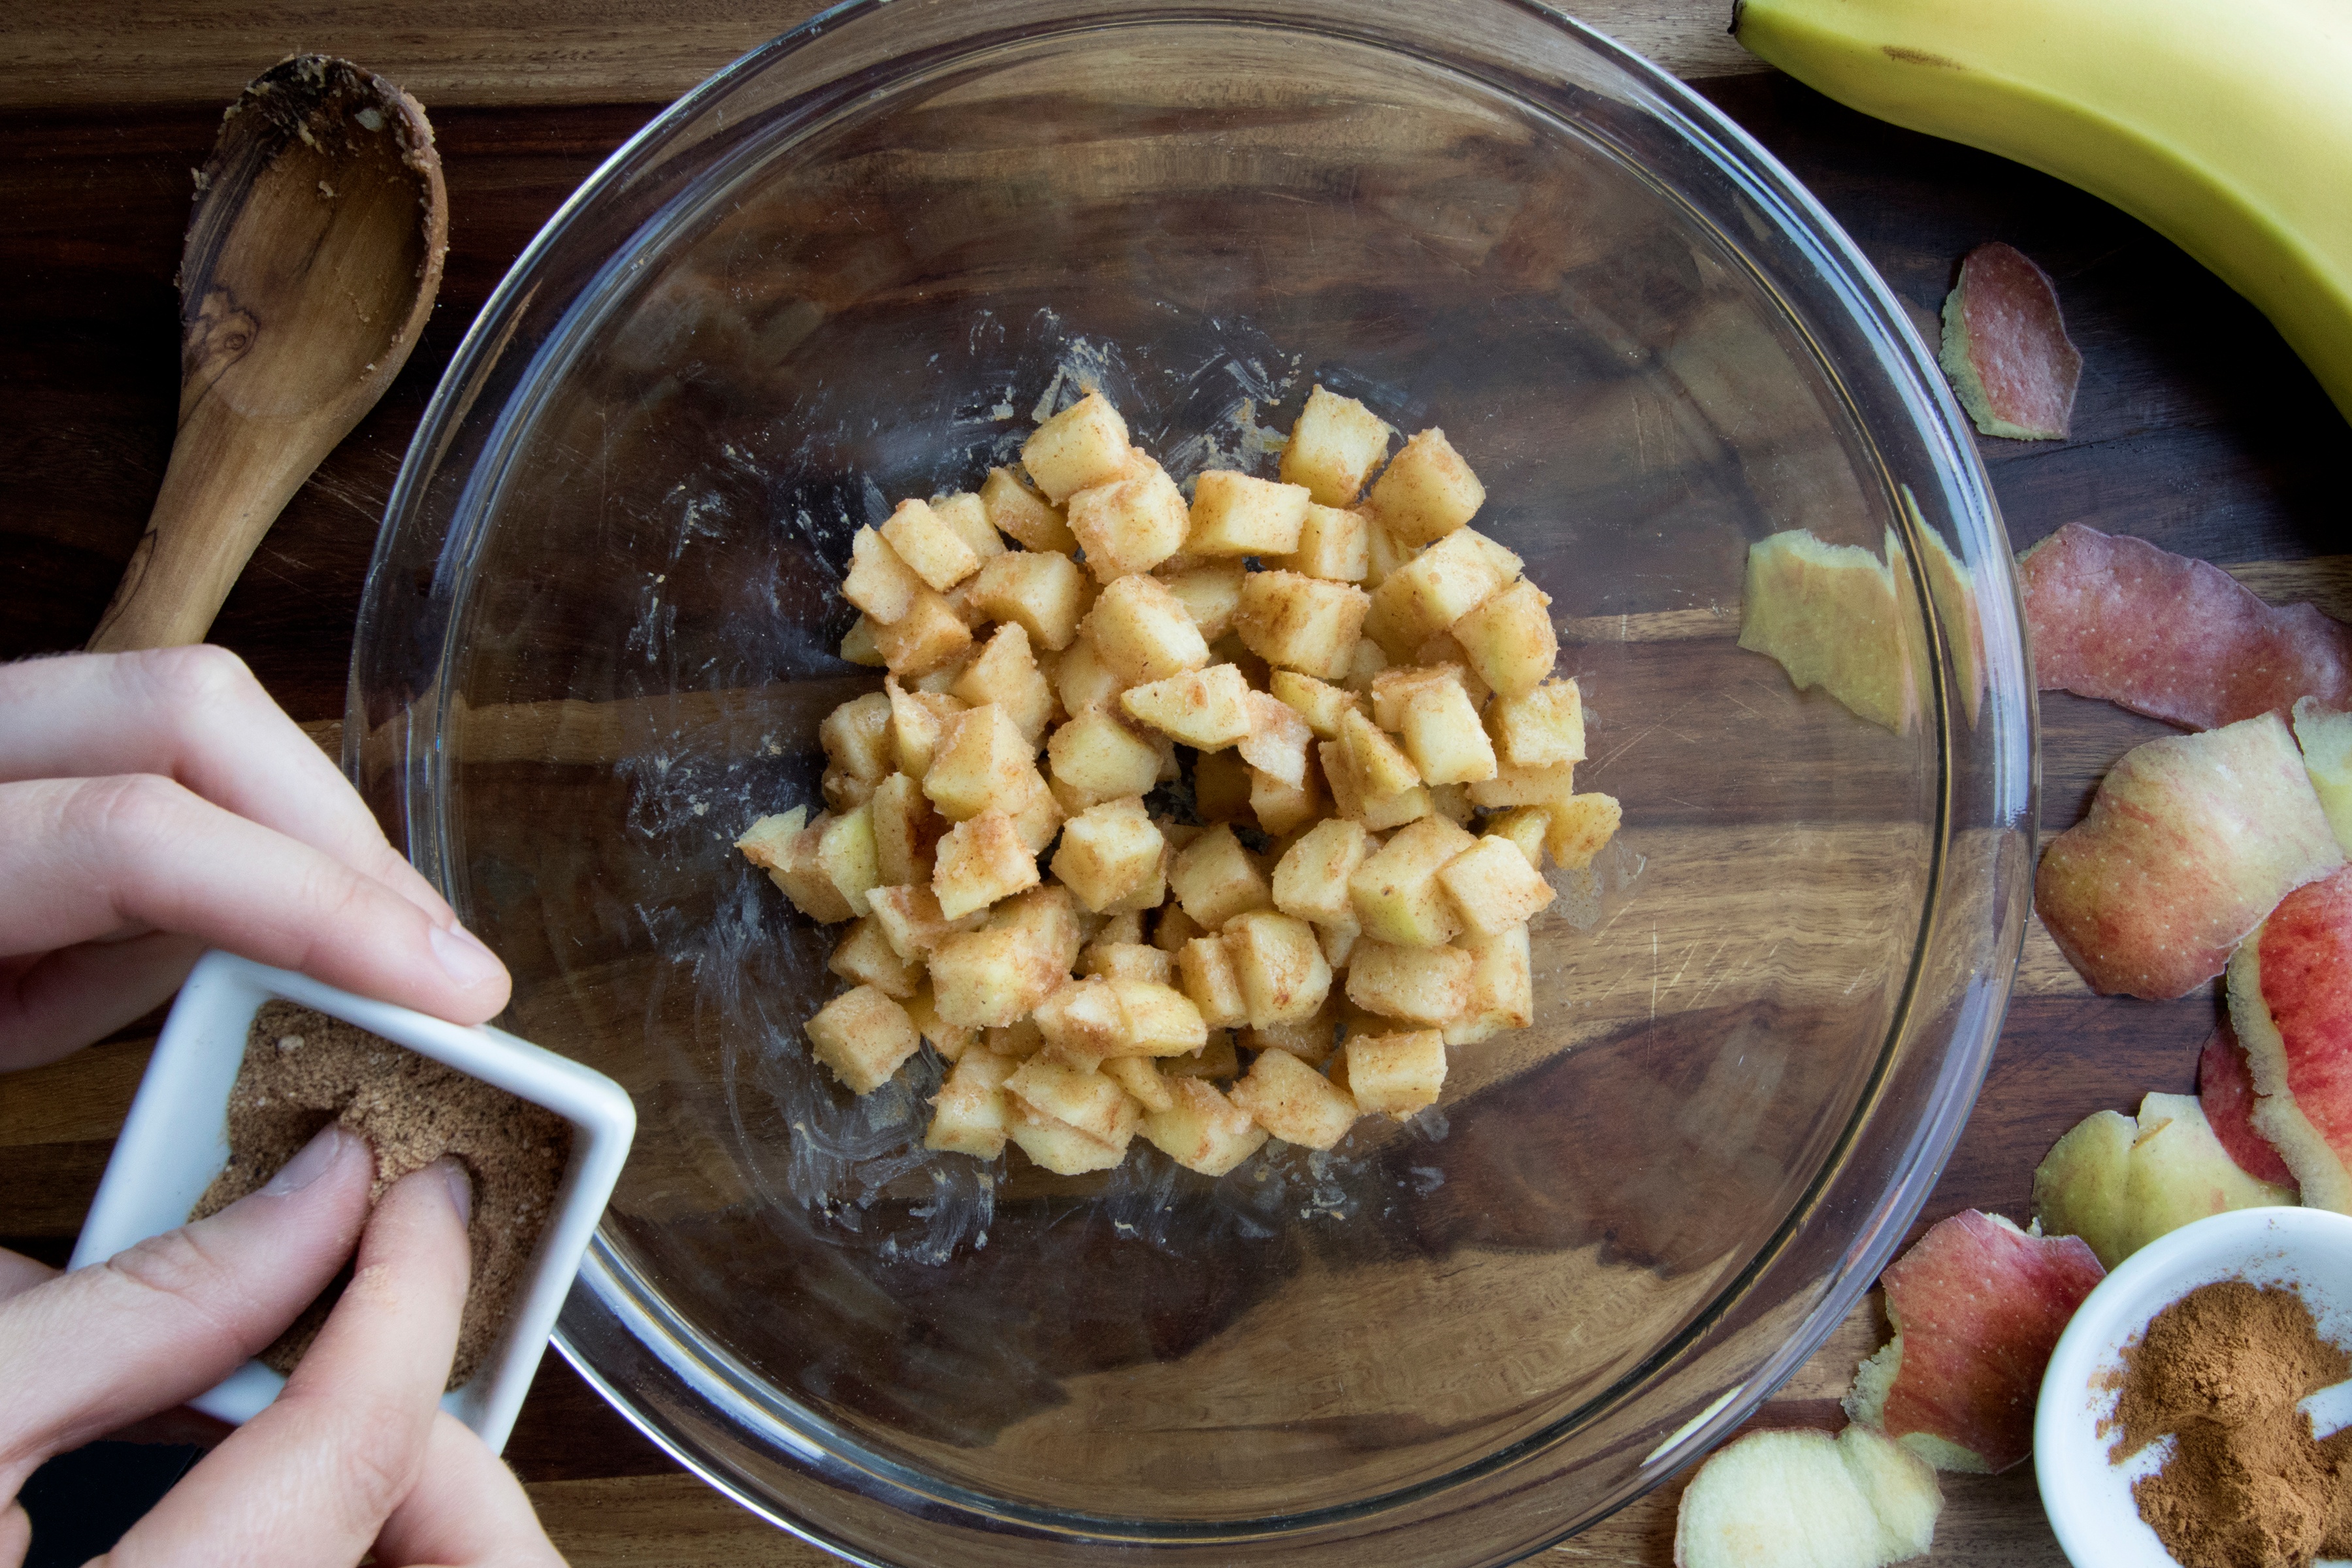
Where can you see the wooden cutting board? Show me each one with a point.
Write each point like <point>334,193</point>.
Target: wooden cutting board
<point>2195,428</point>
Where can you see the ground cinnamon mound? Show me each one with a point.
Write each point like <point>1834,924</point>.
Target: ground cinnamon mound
<point>303,1069</point>
<point>2246,1485</point>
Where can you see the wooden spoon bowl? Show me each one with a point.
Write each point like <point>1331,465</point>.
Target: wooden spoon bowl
<point>311,263</point>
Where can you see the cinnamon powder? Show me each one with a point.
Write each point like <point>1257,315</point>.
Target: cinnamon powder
<point>303,1069</point>
<point>2246,1486</point>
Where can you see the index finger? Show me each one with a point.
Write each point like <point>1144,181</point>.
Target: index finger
<point>196,715</point>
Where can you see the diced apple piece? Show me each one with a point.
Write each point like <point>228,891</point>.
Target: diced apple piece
<point>844,853</point>
<point>1215,1061</point>
<point>768,842</point>
<point>1128,961</point>
<point>1083,1022</point>
<point>1204,966</point>
<point>1443,737</point>
<point>1502,990</point>
<point>879,582</point>
<point>1107,851</point>
<point>1059,1147</point>
<point>1525,826</point>
<point>1541,729</point>
<point>1803,1499</point>
<point>1160,1020</point>
<point>1277,739</point>
<point>2191,841</point>
<point>1976,1306</point>
<point>1211,592</point>
<point>904,831</point>
<point>1335,446</point>
<point>1396,895</point>
<point>1279,807</point>
<point>1036,815</point>
<point>951,1040</point>
<point>1201,1130</point>
<point>1396,1074</point>
<point>1207,708</point>
<point>864,1037</point>
<point>1283,977</point>
<point>1301,623</point>
<point>1418,984</point>
<point>1427,492</point>
<point>980,861</point>
<point>1004,675</point>
<point>969,1115</point>
<point>1331,545</point>
<point>1831,615</point>
<point>917,718</point>
<point>1377,813</point>
<point>1101,758</point>
<point>1321,704</point>
<point>1436,588</point>
<point>1019,513</point>
<point>1293,1102</point>
<point>909,919</point>
<point>927,546</point>
<point>1384,550</point>
<point>1392,688</point>
<point>1234,514</point>
<point>1141,632</point>
<point>1142,1077</point>
<point>865,957</point>
<point>855,737</point>
<point>966,516</point>
<point>1081,679</point>
<point>929,637</point>
<point>1516,784</point>
<point>1042,592</point>
<point>1492,887</point>
<point>1378,764</point>
<point>1083,445</point>
<point>859,646</point>
<point>1215,879</point>
<point>1311,880</point>
<point>993,978</point>
<point>1581,826</point>
<point>982,760</point>
<point>2291,1003</point>
<point>795,868</point>
<point>1129,525</point>
<point>1509,640</point>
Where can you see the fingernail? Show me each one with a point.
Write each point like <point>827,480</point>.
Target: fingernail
<point>463,957</point>
<point>461,1188</point>
<point>311,1163</point>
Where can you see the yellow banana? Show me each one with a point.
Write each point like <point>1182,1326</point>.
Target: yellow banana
<point>2226,125</point>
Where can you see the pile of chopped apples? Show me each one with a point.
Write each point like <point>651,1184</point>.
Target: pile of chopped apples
<point>1380,758</point>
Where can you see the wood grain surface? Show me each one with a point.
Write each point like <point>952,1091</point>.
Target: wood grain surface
<point>2195,428</point>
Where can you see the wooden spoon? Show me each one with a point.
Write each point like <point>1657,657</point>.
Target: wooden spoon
<point>311,263</point>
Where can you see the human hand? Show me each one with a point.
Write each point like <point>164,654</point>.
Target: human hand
<point>354,1455</point>
<point>152,805</point>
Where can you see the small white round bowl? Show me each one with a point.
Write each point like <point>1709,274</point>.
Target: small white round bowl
<point>2089,1500</point>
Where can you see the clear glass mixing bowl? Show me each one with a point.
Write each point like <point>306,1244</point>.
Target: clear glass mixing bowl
<point>601,627</point>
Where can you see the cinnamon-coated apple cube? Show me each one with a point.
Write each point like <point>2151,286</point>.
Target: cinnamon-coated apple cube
<point>1398,1074</point>
<point>1171,928</point>
<point>1502,991</point>
<point>980,860</point>
<point>1128,961</point>
<point>768,842</point>
<point>912,922</point>
<point>1443,737</point>
<point>1215,879</point>
<point>988,978</point>
<point>879,582</point>
<point>1149,893</point>
<point>1443,650</point>
<point>1078,1097</point>
<point>927,637</point>
<point>967,515</point>
<point>1378,813</point>
<point>1427,492</point>
<point>925,545</point>
<point>1419,985</point>
<point>865,957</point>
<point>859,646</point>
<point>1206,709</point>
<point>1217,1059</point>
<point>1396,895</point>
<point>1380,764</point>
<point>1527,827</point>
<point>1129,525</point>
<point>1513,784</point>
<point>1320,703</point>
<point>1003,673</point>
<point>905,830</point>
<point>1280,808</point>
<point>1083,445</point>
<point>1392,688</point>
<point>1311,880</point>
<point>1234,514</point>
<point>1107,850</point>
<point>1042,592</point>
<point>1081,679</point>
<point>1059,1147</point>
<point>844,853</point>
<point>952,1041</point>
<point>1140,1077</point>
<point>855,736</point>
<point>1293,1102</point>
<point>1331,545</point>
<point>1082,1022</point>
<point>1141,632</point>
<point>1124,927</point>
<point>864,1037</point>
<point>1036,815</point>
<point>1311,1039</point>
<point>1492,887</point>
<point>1364,666</point>
<point>1542,728</point>
<point>917,718</point>
<point>937,680</point>
<point>803,878</point>
<point>1101,759</point>
<point>1338,944</point>
<point>1301,623</point>
<point>980,759</point>
<point>1204,969</point>
<point>1509,638</point>
<point>843,792</point>
<point>1019,513</point>
<point>1211,591</point>
<point>1047,918</point>
<point>1581,826</point>
<point>1201,1130</point>
<point>1433,590</point>
<point>1383,551</point>
<point>1160,1020</point>
<point>1277,739</point>
<point>969,1115</point>
<point>1335,445</point>
<point>1282,974</point>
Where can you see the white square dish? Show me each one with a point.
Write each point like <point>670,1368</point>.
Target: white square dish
<point>175,1141</point>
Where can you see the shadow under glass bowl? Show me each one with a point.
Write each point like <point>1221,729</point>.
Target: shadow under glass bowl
<point>600,631</point>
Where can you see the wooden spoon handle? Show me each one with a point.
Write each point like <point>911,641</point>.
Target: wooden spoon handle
<point>230,475</point>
